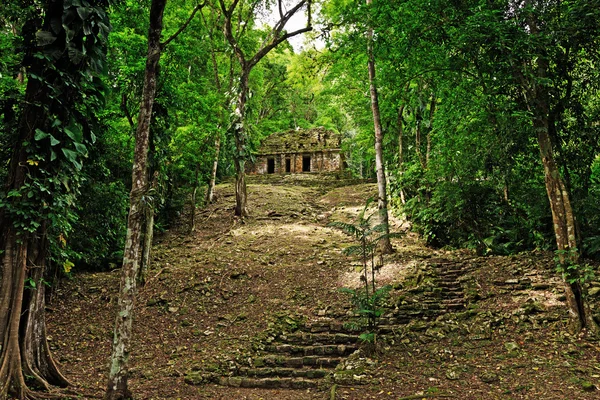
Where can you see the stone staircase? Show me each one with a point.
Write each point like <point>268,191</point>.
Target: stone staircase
<point>307,358</point>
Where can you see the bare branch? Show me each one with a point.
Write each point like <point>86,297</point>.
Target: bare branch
<point>185,25</point>
<point>280,9</point>
<point>274,43</point>
<point>278,29</point>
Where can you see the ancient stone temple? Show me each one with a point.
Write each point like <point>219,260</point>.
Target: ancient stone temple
<point>299,151</point>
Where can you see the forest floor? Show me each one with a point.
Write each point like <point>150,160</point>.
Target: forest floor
<point>213,298</point>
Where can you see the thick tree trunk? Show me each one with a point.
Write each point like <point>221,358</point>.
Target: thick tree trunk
<point>565,232</point>
<point>117,387</point>
<point>385,245</point>
<point>24,350</point>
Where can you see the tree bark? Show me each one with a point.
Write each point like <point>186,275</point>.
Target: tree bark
<point>563,219</point>
<point>210,193</point>
<point>385,245</point>
<point>400,124</point>
<point>276,36</point>
<point>149,212</point>
<point>117,387</point>
<point>193,205</point>
<point>239,131</point>
<point>24,349</point>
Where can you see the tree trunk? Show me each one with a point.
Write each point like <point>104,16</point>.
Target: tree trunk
<point>431,114</point>
<point>149,213</point>
<point>565,232</point>
<point>147,245</point>
<point>400,123</point>
<point>24,350</point>
<point>210,194</point>
<point>385,245</point>
<point>239,132</point>
<point>193,205</point>
<point>117,387</point>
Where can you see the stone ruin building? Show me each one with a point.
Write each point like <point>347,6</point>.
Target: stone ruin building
<point>299,151</point>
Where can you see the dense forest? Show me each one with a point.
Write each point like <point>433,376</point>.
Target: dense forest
<point>479,121</point>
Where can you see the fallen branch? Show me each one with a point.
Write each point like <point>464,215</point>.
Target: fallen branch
<point>424,396</point>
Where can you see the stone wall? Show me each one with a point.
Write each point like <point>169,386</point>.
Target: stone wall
<point>320,161</point>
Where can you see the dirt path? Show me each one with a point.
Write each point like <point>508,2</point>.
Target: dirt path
<point>459,325</point>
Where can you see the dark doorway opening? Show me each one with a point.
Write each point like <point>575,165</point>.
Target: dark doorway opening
<point>305,163</point>
<point>288,165</point>
<point>270,165</point>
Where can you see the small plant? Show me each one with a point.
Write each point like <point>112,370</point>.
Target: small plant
<point>572,271</point>
<point>369,298</point>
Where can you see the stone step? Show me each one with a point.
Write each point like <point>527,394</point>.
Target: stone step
<point>328,326</point>
<point>296,362</point>
<point>320,338</point>
<point>455,306</point>
<point>389,329</point>
<point>283,372</point>
<point>332,349</point>
<point>269,383</point>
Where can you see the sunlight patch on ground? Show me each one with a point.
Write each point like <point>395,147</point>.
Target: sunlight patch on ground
<point>543,297</point>
<point>390,273</point>
<point>294,230</point>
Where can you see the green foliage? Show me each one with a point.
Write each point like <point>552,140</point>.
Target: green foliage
<point>573,272</point>
<point>369,305</point>
<point>369,298</point>
<point>63,59</point>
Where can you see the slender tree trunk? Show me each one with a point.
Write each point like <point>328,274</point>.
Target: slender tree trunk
<point>210,194</point>
<point>418,134</point>
<point>431,114</point>
<point>385,245</point>
<point>400,123</point>
<point>149,213</point>
<point>147,245</point>
<point>193,205</point>
<point>239,131</point>
<point>117,387</point>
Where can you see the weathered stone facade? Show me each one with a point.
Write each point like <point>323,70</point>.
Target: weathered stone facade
<point>299,151</point>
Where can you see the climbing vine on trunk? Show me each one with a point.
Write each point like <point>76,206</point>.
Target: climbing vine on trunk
<point>63,63</point>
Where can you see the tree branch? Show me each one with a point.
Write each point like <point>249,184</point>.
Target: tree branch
<point>185,25</point>
<point>275,42</point>
<point>228,32</point>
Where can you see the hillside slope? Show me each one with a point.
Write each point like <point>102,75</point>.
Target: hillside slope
<point>256,303</point>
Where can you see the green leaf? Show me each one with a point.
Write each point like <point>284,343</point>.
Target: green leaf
<point>81,149</point>
<point>72,3</point>
<point>74,132</point>
<point>44,38</point>
<point>75,55</point>
<point>84,12</point>
<point>72,157</point>
<point>53,141</point>
<point>40,134</point>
